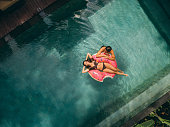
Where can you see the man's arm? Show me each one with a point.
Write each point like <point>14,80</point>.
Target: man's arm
<point>100,51</point>
<point>112,55</point>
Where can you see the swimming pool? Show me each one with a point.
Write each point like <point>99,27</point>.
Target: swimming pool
<point>41,80</point>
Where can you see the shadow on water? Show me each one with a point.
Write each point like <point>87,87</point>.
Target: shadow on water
<point>26,107</point>
<point>69,25</point>
<point>60,28</point>
<point>13,101</point>
<point>159,13</point>
<point>5,51</point>
<point>30,104</point>
<point>104,109</point>
<point>161,39</point>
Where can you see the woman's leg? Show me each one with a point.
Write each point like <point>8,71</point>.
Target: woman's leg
<point>114,72</point>
<point>109,66</point>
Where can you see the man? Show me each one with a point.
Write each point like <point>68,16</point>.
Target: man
<point>107,50</point>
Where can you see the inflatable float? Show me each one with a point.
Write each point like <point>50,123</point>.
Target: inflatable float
<point>98,75</point>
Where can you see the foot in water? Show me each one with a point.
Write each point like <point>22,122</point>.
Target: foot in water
<point>126,75</point>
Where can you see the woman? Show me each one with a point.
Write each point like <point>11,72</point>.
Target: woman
<point>91,64</point>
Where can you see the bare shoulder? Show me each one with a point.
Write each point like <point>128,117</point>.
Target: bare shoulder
<point>102,49</point>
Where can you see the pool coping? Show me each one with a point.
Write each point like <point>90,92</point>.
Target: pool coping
<point>129,114</point>
<point>147,110</point>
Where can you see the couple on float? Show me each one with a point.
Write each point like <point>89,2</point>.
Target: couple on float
<point>104,53</point>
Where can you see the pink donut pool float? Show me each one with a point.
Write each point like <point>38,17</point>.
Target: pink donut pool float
<point>98,75</point>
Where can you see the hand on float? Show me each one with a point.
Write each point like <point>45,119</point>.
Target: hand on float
<point>111,58</point>
<point>106,57</point>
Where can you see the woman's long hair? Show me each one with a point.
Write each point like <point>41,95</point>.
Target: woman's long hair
<point>86,65</point>
<point>88,60</point>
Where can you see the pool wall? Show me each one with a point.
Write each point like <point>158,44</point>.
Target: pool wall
<point>158,12</point>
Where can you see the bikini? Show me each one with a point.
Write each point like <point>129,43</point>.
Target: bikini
<point>95,66</point>
<point>103,66</point>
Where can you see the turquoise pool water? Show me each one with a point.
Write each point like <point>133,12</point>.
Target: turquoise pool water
<point>41,84</point>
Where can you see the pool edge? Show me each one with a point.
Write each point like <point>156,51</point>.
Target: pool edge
<point>125,116</point>
<point>147,110</point>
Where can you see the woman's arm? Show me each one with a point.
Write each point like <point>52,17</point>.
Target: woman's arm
<point>89,55</point>
<point>84,71</point>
